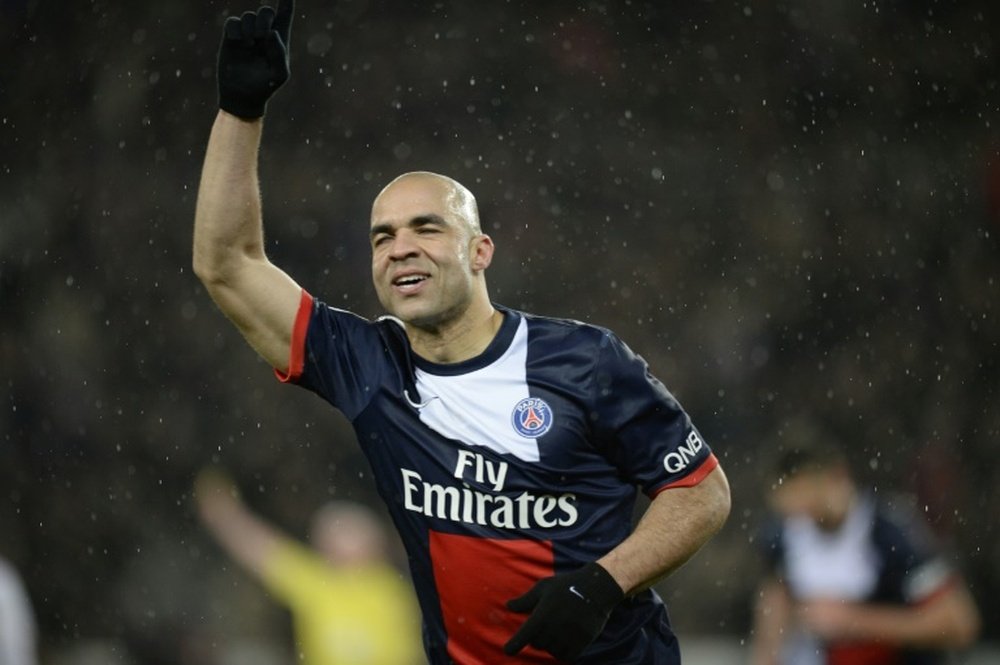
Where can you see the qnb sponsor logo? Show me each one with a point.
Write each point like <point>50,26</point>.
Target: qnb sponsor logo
<point>679,459</point>
<point>464,504</point>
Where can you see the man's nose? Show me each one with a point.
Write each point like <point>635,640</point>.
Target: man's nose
<point>404,245</point>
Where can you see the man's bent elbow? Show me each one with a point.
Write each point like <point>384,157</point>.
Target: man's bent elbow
<point>967,626</point>
<point>966,635</point>
<point>212,269</point>
<point>721,499</point>
<point>961,634</point>
<point>203,270</point>
<point>954,621</point>
<point>209,274</point>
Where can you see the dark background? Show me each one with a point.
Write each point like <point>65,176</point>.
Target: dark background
<point>787,208</point>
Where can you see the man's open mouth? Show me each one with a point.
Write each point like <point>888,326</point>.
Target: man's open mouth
<point>409,280</point>
<point>408,283</point>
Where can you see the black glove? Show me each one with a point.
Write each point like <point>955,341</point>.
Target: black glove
<point>567,612</point>
<point>253,59</point>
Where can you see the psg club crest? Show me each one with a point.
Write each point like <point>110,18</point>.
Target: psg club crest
<point>532,417</point>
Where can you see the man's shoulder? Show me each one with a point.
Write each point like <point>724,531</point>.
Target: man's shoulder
<point>326,309</point>
<point>897,522</point>
<point>565,329</point>
<point>383,325</point>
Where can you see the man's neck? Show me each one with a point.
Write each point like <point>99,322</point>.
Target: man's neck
<point>461,340</point>
<point>842,509</point>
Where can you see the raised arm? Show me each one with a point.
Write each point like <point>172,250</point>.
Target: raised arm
<point>229,242</point>
<point>228,232</point>
<point>246,538</point>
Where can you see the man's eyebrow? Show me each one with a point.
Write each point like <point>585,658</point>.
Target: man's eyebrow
<point>429,219</point>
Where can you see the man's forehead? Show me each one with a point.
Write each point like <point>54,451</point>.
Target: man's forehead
<point>412,197</point>
<point>416,185</point>
<point>412,187</point>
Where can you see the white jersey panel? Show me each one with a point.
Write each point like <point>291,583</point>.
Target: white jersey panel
<point>478,407</point>
<point>832,564</point>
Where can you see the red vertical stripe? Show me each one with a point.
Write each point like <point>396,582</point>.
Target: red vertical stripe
<point>475,577</point>
<point>863,653</point>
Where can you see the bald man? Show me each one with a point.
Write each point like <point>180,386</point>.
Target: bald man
<point>508,447</point>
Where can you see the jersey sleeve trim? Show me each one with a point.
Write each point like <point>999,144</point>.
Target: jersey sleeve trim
<point>693,478</point>
<point>297,349</point>
<point>942,589</point>
<point>928,581</point>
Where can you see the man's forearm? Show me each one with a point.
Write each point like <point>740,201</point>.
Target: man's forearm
<point>896,625</point>
<point>771,619</point>
<point>946,621</point>
<point>675,526</point>
<point>246,537</point>
<point>228,213</point>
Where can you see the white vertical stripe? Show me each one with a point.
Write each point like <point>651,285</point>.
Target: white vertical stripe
<point>840,564</point>
<point>477,407</point>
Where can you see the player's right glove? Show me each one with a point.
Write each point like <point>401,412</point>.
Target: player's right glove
<point>568,612</point>
<point>253,59</point>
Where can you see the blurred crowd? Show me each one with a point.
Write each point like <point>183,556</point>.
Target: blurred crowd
<point>786,208</point>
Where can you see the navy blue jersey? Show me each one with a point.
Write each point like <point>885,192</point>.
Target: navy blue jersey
<point>515,465</point>
<point>875,556</point>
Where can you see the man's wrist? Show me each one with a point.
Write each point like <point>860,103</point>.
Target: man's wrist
<point>229,115</point>
<point>611,564</point>
<point>603,588</point>
<point>243,109</point>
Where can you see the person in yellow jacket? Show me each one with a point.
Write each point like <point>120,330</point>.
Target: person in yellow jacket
<point>349,604</point>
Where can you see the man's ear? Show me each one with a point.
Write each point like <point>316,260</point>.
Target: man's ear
<point>481,252</point>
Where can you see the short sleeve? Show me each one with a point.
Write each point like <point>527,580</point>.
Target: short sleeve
<point>912,557</point>
<point>336,354</point>
<point>642,428</point>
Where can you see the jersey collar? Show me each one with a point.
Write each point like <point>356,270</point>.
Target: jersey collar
<point>497,347</point>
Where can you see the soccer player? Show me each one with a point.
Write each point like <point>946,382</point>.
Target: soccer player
<point>850,581</point>
<point>349,605</point>
<point>508,447</point>
<point>18,633</point>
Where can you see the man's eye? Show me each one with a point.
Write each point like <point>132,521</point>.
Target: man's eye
<point>379,240</point>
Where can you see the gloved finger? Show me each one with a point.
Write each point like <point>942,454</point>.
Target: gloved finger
<point>273,47</point>
<point>233,28</point>
<point>248,22</point>
<point>522,637</point>
<point>265,17</point>
<point>526,602</point>
<point>283,20</point>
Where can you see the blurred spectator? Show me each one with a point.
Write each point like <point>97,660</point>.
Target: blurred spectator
<point>17,622</point>
<point>851,580</point>
<point>349,605</point>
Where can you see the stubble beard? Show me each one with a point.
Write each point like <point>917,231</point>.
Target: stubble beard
<point>437,319</point>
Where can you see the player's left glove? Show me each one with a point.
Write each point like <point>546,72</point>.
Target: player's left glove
<point>253,59</point>
<point>567,612</point>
